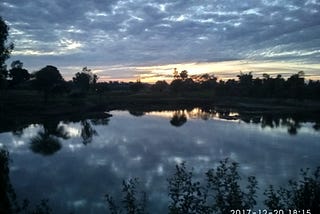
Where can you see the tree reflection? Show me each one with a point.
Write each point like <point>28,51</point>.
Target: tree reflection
<point>87,132</point>
<point>9,203</point>
<point>19,131</point>
<point>136,113</point>
<point>47,142</point>
<point>6,190</point>
<point>179,118</point>
<point>293,125</point>
<point>100,121</point>
<point>292,121</point>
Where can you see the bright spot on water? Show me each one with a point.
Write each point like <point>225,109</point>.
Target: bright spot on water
<point>160,169</point>
<point>79,203</point>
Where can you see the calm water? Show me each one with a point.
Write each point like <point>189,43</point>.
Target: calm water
<point>87,159</point>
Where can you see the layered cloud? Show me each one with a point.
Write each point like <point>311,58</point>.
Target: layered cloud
<point>144,33</point>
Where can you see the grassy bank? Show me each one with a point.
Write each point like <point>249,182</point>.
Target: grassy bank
<point>30,105</point>
<point>32,102</point>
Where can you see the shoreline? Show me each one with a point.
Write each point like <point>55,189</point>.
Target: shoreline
<point>17,112</point>
<point>33,104</point>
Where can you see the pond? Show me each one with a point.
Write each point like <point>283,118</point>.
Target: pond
<point>74,164</point>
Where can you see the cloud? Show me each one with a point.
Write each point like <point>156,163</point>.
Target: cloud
<point>162,32</point>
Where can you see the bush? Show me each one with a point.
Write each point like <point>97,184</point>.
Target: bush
<point>300,195</point>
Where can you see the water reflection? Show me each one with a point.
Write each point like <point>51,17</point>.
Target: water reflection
<point>148,147</point>
<point>87,131</point>
<point>267,120</point>
<point>178,118</point>
<point>136,113</point>
<point>45,144</point>
<point>47,140</point>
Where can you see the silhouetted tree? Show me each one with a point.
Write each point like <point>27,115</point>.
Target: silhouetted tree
<point>245,79</point>
<point>186,195</point>
<point>160,86</point>
<point>184,74</point>
<point>175,74</point>
<point>176,85</point>
<point>182,83</point>
<point>313,89</point>
<point>136,86</point>
<point>83,80</point>
<point>228,88</point>
<point>101,87</point>
<point>133,202</point>
<point>224,182</point>
<point>207,81</point>
<point>47,79</point>
<point>189,85</point>
<point>245,83</point>
<point>295,84</point>
<point>5,50</point>
<point>17,64</point>
<point>18,73</point>
<point>299,195</point>
<point>279,86</point>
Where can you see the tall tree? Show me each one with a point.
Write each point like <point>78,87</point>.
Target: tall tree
<point>18,73</point>
<point>175,74</point>
<point>295,85</point>
<point>5,50</point>
<point>84,79</point>
<point>184,74</point>
<point>47,79</point>
<point>160,86</point>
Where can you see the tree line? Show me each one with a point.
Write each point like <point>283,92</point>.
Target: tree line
<point>296,86</point>
<point>50,81</point>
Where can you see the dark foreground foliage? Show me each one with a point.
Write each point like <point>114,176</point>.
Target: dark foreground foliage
<point>299,195</point>
<point>218,192</point>
<point>132,202</point>
<point>222,193</point>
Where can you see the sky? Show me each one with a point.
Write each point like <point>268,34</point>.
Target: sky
<point>147,39</point>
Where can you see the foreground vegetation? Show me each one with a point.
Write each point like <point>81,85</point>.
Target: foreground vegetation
<point>222,192</point>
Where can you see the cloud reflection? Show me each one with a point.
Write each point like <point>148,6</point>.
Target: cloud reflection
<point>148,147</point>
